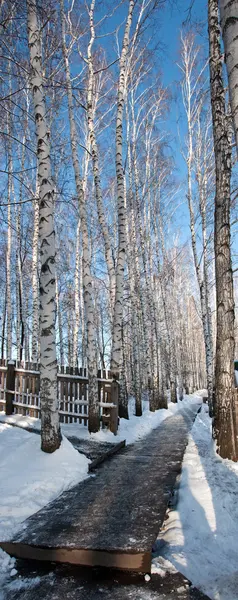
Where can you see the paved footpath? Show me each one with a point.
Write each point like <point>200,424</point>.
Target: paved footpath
<point>113,518</point>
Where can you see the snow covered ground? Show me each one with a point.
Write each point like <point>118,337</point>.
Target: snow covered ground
<point>30,479</point>
<point>129,430</point>
<point>200,537</point>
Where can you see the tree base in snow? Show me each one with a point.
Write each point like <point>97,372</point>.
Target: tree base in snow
<point>93,420</point>
<point>123,411</point>
<point>225,426</point>
<point>50,440</point>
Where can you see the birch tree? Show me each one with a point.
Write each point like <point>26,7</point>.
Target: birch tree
<point>9,248</point>
<point>35,279</point>
<point>95,158</point>
<point>229,24</point>
<point>50,430</point>
<point>193,100</point>
<point>224,423</point>
<point>87,277</point>
<point>116,355</point>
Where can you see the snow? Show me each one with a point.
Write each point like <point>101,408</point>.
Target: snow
<point>130,430</point>
<point>30,479</point>
<point>200,536</point>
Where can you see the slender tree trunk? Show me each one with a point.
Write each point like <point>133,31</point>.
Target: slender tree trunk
<point>93,422</point>
<point>76,301</point>
<point>133,277</point>
<point>4,312</point>
<point>35,280</point>
<point>229,24</point>
<point>191,110</point>
<point>116,355</point>
<point>224,423</point>
<point>95,161</point>
<point>9,248</point>
<point>59,317</point>
<point>19,273</point>
<point>50,430</point>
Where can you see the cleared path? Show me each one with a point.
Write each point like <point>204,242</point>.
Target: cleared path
<point>66,582</point>
<point>113,518</point>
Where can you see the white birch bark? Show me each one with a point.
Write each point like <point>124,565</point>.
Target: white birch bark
<point>78,289</point>
<point>95,160</point>
<point>35,279</point>
<point>50,430</point>
<point>116,354</point>
<point>9,248</point>
<point>76,300</point>
<point>4,314</point>
<point>192,107</point>
<point>19,290</point>
<point>59,318</point>
<point>202,177</point>
<point>229,24</point>
<point>147,299</point>
<point>82,311</point>
<point>19,274</point>
<point>93,422</point>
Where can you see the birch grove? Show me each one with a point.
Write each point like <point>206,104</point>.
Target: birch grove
<point>109,241</point>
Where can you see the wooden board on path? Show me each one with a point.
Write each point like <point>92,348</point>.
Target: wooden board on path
<point>113,518</point>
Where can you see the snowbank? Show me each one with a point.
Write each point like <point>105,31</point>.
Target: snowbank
<point>30,478</point>
<point>136,427</point>
<point>200,537</point>
<point>130,430</point>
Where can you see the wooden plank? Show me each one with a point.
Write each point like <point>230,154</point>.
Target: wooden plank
<point>137,484</point>
<point>125,561</point>
<point>100,459</point>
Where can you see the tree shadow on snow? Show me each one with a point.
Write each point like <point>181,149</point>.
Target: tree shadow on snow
<point>205,547</point>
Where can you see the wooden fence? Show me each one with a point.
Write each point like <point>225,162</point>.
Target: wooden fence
<point>20,393</point>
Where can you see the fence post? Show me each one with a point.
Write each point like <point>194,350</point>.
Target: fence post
<point>10,386</point>
<point>114,410</point>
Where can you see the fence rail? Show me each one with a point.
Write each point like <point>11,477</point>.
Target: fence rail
<point>20,393</point>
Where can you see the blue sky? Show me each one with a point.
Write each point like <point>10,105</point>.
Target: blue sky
<point>173,18</point>
<point>165,30</point>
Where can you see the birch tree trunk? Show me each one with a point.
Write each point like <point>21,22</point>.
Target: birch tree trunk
<point>19,290</point>
<point>35,280</point>
<point>224,423</point>
<point>192,107</point>
<point>95,160</point>
<point>19,275</point>
<point>76,301</point>
<point>59,317</point>
<point>116,355</point>
<point>229,24</point>
<point>50,430</point>
<point>93,422</point>
<point>9,248</point>
<point>4,312</point>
